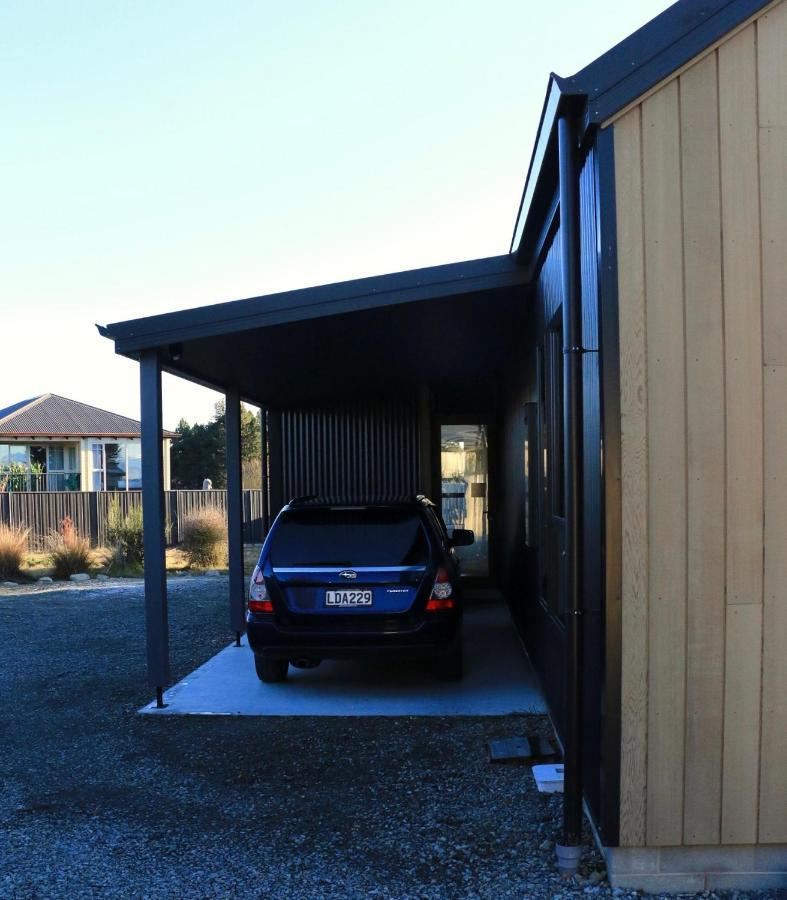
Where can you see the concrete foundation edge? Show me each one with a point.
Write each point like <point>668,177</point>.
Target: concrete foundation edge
<point>684,869</point>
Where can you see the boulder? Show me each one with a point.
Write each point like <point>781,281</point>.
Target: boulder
<point>80,576</point>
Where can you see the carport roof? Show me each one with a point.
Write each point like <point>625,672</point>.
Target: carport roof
<point>375,334</point>
<point>356,295</point>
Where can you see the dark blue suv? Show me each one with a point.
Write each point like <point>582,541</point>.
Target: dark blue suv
<point>342,580</point>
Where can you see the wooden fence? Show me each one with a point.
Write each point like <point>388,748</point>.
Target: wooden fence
<point>43,511</point>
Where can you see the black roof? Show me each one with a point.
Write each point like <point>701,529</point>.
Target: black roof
<point>53,416</point>
<point>355,295</point>
<point>616,79</point>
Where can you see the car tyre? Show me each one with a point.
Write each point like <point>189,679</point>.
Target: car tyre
<point>271,670</point>
<point>450,667</point>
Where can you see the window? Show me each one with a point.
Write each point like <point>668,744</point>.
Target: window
<point>116,466</point>
<point>349,537</point>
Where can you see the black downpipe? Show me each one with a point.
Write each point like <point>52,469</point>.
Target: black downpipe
<point>568,153</point>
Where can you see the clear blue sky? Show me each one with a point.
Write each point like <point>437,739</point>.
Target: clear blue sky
<point>157,156</point>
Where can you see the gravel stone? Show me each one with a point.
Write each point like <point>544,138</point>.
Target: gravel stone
<point>98,801</point>
<point>45,579</point>
<point>80,576</point>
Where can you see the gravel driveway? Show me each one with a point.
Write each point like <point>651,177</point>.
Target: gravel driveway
<point>99,802</point>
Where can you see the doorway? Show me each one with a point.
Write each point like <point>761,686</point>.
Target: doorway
<point>464,490</point>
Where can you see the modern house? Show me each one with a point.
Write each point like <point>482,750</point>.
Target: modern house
<point>612,395</point>
<point>50,443</point>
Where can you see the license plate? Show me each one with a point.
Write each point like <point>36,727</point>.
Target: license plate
<point>348,598</point>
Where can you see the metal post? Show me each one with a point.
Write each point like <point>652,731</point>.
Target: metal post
<point>425,485</point>
<point>235,513</point>
<point>275,462</point>
<point>266,522</point>
<point>156,624</point>
<point>570,851</point>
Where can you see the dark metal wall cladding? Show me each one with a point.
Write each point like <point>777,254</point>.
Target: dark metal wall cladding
<point>358,451</point>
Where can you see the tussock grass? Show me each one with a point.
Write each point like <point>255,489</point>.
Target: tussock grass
<point>70,552</point>
<point>205,538</point>
<point>13,550</point>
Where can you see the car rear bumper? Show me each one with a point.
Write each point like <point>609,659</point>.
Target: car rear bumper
<point>435,635</point>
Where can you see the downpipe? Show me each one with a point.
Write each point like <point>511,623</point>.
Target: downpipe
<point>569,850</point>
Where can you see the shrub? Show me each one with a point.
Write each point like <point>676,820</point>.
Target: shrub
<point>124,532</point>
<point>205,537</point>
<point>13,549</point>
<point>70,552</point>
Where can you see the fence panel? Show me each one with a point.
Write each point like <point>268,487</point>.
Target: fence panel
<point>43,511</point>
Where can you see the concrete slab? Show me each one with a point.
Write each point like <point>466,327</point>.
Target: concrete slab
<point>498,680</point>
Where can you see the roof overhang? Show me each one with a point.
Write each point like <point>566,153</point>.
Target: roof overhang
<point>367,336</point>
<point>607,86</point>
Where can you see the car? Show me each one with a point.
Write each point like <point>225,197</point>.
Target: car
<point>342,580</point>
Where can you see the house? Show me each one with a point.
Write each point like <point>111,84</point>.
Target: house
<point>627,361</point>
<point>51,443</point>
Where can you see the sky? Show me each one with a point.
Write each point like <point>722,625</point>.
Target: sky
<point>160,156</point>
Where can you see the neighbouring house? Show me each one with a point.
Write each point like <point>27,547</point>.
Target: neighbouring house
<point>51,443</point>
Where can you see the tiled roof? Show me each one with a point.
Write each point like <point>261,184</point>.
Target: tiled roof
<point>52,415</point>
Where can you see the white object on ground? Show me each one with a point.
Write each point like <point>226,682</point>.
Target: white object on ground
<point>102,577</point>
<point>80,576</point>
<point>45,579</point>
<point>10,584</point>
<point>549,778</point>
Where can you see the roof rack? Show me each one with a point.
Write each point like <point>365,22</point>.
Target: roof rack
<point>359,500</point>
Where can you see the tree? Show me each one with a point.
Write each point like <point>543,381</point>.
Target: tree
<point>199,452</point>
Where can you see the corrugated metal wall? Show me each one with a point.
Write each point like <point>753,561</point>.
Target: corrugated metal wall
<point>356,450</point>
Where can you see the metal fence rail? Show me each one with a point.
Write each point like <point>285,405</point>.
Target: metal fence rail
<point>43,511</point>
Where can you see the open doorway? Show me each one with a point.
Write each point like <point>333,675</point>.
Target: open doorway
<point>464,490</point>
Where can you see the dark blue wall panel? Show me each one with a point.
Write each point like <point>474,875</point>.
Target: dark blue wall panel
<point>358,451</point>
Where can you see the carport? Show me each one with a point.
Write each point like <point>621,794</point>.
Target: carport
<point>353,379</point>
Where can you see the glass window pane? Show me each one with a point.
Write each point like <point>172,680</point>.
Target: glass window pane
<point>71,459</point>
<point>4,454</point>
<point>115,455</point>
<point>56,459</point>
<point>350,537</point>
<point>19,454</point>
<point>134,466</point>
<point>97,481</point>
<point>97,451</point>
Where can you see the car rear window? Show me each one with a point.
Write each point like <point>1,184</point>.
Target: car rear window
<point>349,537</point>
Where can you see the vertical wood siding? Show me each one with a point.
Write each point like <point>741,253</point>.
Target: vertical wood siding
<point>701,181</point>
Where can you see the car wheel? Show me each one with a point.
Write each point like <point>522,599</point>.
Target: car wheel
<point>271,670</point>
<point>449,667</point>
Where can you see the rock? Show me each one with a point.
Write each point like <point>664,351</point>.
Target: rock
<point>10,584</point>
<point>596,877</point>
<point>545,845</point>
<point>102,577</point>
<point>80,576</point>
<point>45,579</point>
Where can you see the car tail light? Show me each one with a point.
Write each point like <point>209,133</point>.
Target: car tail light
<point>441,593</point>
<point>258,594</point>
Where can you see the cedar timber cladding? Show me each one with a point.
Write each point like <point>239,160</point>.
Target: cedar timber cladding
<point>701,182</point>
